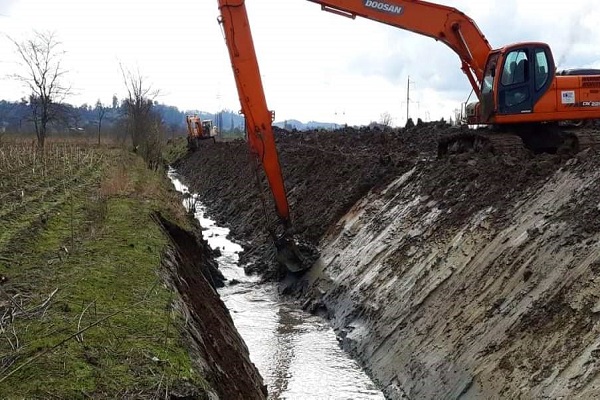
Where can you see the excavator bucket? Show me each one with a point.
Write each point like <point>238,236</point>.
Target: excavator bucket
<point>296,257</point>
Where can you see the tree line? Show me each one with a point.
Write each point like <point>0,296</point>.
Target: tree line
<point>16,117</point>
<point>138,116</point>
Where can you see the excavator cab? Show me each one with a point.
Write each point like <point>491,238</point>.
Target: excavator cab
<point>206,126</point>
<point>515,80</point>
<point>521,90</point>
<point>525,74</point>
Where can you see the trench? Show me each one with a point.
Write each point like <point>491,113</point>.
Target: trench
<point>297,353</point>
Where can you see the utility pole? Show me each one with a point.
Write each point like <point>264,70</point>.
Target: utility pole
<point>407,97</point>
<point>219,115</point>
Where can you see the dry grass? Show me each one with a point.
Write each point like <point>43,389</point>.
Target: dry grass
<point>117,182</point>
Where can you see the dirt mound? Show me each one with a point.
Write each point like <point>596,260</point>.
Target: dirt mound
<point>326,172</point>
<point>464,185</point>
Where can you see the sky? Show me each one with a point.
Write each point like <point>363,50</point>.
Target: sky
<point>315,66</point>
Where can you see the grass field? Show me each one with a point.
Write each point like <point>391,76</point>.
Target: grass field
<point>83,311</point>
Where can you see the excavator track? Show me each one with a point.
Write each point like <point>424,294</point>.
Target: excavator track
<point>480,142</point>
<point>535,139</point>
<point>579,140</point>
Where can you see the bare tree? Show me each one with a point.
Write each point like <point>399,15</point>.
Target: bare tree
<point>144,124</point>
<point>41,59</point>
<point>100,113</point>
<point>386,119</point>
<point>138,104</point>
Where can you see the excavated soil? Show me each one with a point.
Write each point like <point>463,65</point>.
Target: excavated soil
<point>326,172</point>
<point>472,276</point>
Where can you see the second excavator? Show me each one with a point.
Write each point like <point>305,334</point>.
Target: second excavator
<point>199,130</point>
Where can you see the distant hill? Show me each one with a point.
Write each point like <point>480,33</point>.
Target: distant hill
<point>229,120</point>
<point>301,126</point>
<point>15,117</point>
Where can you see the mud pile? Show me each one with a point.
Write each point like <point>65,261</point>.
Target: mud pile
<point>326,172</point>
<point>472,276</point>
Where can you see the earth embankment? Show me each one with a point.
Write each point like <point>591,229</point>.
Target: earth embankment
<point>217,348</point>
<point>471,276</point>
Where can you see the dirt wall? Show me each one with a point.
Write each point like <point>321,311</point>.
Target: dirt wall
<point>500,303</point>
<point>216,346</point>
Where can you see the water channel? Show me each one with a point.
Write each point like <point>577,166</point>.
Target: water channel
<point>296,353</point>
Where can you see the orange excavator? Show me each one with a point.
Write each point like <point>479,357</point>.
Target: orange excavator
<point>517,85</point>
<point>259,119</point>
<point>199,130</point>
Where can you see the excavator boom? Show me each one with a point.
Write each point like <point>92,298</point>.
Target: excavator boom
<point>437,21</point>
<point>238,36</point>
<point>295,255</point>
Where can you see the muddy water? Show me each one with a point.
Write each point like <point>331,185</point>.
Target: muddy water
<point>296,353</point>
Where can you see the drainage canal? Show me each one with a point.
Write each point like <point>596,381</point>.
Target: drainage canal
<point>296,353</point>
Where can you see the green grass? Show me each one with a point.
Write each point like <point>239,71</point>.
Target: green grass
<point>93,263</point>
<point>176,149</point>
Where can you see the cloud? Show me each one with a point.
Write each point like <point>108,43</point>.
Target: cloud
<point>6,6</point>
<point>314,65</point>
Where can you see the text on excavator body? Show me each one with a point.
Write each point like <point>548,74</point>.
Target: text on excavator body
<point>381,6</point>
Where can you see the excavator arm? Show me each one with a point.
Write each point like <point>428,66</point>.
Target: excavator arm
<point>238,37</point>
<point>297,257</point>
<point>446,24</point>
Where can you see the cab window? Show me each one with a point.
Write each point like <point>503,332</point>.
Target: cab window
<point>541,69</point>
<point>515,68</point>
<point>488,79</point>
